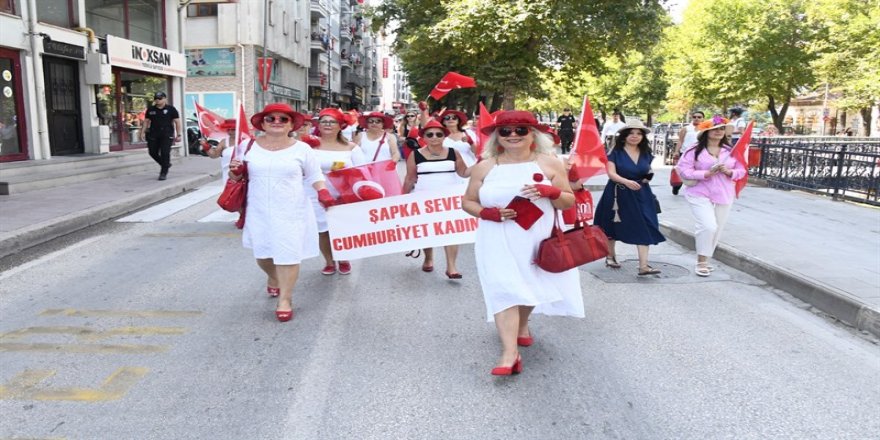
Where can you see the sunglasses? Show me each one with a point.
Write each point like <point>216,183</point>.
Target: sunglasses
<point>374,121</point>
<point>450,117</point>
<point>507,131</point>
<point>696,117</point>
<point>410,116</point>
<point>435,134</point>
<point>328,122</point>
<point>281,119</point>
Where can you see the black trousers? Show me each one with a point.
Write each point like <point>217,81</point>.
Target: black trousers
<point>160,150</point>
<point>567,137</point>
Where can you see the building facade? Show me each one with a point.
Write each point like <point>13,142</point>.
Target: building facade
<point>394,96</point>
<point>77,75</point>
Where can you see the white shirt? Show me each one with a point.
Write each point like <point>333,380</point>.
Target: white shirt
<point>611,128</point>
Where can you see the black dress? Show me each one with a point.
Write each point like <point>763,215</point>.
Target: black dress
<point>638,216</point>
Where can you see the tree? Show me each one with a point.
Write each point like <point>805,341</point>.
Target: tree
<point>507,44</point>
<point>850,52</point>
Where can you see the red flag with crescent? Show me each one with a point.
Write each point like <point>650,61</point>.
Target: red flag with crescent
<point>739,153</point>
<point>451,80</point>
<point>588,155</point>
<point>366,182</point>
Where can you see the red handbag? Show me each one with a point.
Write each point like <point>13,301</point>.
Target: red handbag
<point>572,248</point>
<point>582,209</point>
<point>234,194</point>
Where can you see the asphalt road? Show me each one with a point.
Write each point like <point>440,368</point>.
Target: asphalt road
<point>163,330</point>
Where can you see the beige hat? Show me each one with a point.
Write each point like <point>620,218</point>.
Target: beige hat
<point>637,125</point>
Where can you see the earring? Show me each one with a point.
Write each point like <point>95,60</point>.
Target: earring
<point>532,148</point>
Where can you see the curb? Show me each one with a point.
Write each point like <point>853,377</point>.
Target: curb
<point>828,299</point>
<point>39,233</point>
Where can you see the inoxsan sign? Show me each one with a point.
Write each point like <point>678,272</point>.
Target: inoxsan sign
<point>143,57</point>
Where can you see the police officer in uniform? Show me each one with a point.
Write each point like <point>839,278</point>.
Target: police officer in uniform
<point>565,129</point>
<point>162,127</point>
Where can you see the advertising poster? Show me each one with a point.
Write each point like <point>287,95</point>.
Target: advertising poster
<point>210,62</point>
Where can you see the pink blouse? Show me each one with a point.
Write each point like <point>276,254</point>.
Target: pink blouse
<point>718,188</point>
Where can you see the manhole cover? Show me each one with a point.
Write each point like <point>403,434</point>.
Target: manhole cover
<point>630,268</point>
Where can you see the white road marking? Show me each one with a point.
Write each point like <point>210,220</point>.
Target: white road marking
<point>220,216</point>
<point>174,206</point>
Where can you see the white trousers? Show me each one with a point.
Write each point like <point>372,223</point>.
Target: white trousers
<point>710,219</point>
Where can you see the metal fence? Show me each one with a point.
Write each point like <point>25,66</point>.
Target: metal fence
<point>844,168</point>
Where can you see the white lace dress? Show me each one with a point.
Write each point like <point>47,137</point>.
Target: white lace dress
<point>505,253</point>
<point>326,159</point>
<point>280,222</point>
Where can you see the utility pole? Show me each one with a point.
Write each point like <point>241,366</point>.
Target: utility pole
<point>264,65</point>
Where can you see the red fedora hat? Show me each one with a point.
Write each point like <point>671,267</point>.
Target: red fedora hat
<point>277,107</point>
<point>388,121</point>
<point>516,118</point>
<point>433,123</point>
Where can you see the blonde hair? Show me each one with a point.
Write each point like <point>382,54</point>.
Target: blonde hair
<point>543,144</point>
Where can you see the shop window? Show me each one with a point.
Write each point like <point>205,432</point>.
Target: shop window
<point>138,20</point>
<point>57,12</point>
<point>207,10</point>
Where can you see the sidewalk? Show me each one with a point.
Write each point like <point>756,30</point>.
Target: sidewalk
<point>826,253</point>
<point>823,252</point>
<point>31,218</point>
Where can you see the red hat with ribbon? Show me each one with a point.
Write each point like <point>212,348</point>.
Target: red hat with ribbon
<point>462,118</point>
<point>277,107</point>
<point>387,121</point>
<point>336,114</point>
<point>433,123</point>
<point>514,118</point>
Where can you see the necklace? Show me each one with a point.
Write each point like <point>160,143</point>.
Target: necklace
<point>433,154</point>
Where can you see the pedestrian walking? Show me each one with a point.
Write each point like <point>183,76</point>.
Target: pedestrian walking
<point>454,121</point>
<point>376,143</point>
<point>432,167</point>
<point>627,211</point>
<point>610,129</point>
<point>565,125</point>
<point>408,130</point>
<point>335,152</point>
<point>161,128</point>
<point>687,137</point>
<point>280,224</point>
<point>713,170</point>
<point>737,124</point>
<point>518,160</point>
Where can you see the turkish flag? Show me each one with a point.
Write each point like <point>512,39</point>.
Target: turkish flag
<point>264,71</point>
<point>366,182</point>
<point>210,124</point>
<point>589,154</point>
<point>486,120</point>
<point>451,81</point>
<point>242,128</point>
<point>740,150</point>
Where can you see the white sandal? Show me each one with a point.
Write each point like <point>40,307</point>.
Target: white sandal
<point>702,270</point>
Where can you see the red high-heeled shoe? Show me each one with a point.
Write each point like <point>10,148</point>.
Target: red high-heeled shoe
<point>524,341</point>
<point>273,291</point>
<point>516,368</point>
<point>284,315</point>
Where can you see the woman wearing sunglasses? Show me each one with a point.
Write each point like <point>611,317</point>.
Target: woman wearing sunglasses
<point>455,121</point>
<point>334,152</point>
<point>375,141</point>
<point>518,160</point>
<point>280,222</point>
<point>435,167</point>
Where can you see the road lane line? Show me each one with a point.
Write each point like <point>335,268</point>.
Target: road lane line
<point>81,348</point>
<point>219,216</point>
<point>173,206</point>
<point>114,387</point>
<point>122,313</point>
<point>89,333</point>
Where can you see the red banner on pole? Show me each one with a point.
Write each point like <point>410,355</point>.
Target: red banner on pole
<point>385,67</point>
<point>264,71</point>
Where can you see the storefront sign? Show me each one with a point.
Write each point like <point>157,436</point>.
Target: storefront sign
<point>64,50</point>
<point>143,57</point>
<point>210,62</point>
<point>282,91</point>
<point>317,92</point>
<point>358,93</point>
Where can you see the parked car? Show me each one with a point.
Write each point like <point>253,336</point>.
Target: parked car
<point>194,137</point>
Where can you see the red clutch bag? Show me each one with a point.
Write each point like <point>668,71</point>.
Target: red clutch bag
<point>527,213</point>
<point>235,192</point>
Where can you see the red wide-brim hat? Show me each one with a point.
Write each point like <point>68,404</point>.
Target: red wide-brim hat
<point>298,118</point>
<point>514,118</point>
<point>462,118</point>
<point>388,121</point>
<point>334,113</point>
<point>433,123</point>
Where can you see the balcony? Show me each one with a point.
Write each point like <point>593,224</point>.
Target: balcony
<point>320,42</point>
<point>320,9</point>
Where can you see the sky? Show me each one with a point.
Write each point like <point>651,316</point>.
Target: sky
<point>676,9</point>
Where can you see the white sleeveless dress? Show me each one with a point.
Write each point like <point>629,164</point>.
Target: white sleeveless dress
<point>369,148</point>
<point>325,159</point>
<point>280,222</point>
<point>505,253</point>
<point>463,148</point>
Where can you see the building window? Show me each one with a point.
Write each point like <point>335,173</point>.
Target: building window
<point>7,6</point>
<point>271,13</point>
<point>285,27</point>
<point>205,10</point>
<point>57,12</point>
<point>138,20</point>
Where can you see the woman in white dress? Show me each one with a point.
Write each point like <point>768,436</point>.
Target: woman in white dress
<point>280,224</point>
<point>518,156</point>
<point>334,152</point>
<point>434,167</point>
<point>376,142</point>
<point>455,121</point>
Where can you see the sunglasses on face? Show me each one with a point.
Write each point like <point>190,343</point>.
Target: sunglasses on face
<point>410,116</point>
<point>508,131</point>
<point>281,119</point>
<point>374,121</point>
<point>450,117</point>
<point>696,117</point>
<point>328,122</point>
<point>434,134</point>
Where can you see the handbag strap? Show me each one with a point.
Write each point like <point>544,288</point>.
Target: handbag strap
<point>250,144</point>
<point>381,141</point>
